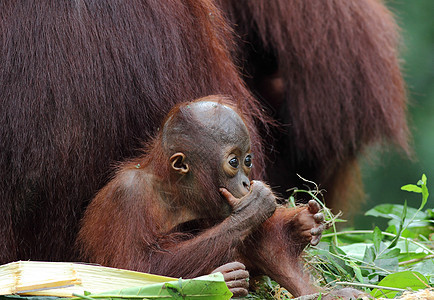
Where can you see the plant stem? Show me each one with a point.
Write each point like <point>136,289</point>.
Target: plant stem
<point>334,234</point>
<point>371,286</point>
<point>415,260</point>
<point>365,265</point>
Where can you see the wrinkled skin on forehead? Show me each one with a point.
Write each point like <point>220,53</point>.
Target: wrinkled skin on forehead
<point>215,121</point>
<point>221,122</point>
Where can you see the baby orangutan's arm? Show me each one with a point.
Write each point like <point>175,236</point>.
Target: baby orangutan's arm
<point>275,248</point>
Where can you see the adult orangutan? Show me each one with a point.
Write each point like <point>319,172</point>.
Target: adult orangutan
<point>83,82</point>
<point>328,72</point>
<point>187,207</point>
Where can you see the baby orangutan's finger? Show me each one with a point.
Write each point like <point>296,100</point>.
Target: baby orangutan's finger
<point>314,207</point>
<point>316,235</point>
<point>319,217</point>
<point>239,292</point>
<point>317,230</point>
<point>229,197</point>
<point>315,240</point>
<point>236,277</point>
<point>241,283</point>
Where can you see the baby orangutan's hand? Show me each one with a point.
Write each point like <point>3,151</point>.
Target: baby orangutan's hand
<point>236,277</point>
<point>312,221</point>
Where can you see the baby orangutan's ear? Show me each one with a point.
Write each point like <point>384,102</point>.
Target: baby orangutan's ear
<point>178,164</point>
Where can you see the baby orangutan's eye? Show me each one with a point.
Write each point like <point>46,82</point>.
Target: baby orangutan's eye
<point>248,161</point>
<point>234,162</point>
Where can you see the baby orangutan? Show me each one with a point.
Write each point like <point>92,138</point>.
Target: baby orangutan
<point>187,207</point>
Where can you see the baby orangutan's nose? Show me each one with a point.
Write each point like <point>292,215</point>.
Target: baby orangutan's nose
<point>246,184</point>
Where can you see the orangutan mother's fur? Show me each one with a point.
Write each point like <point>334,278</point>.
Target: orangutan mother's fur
<point>329,71</point>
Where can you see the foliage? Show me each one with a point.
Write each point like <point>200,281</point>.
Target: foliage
<point>382,263</point>
<point>207,287</point>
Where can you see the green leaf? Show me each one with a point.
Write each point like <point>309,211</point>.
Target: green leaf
<point>411,188</point>
<point>404,212</point>
<point>401,226</point>
<point>425,195</point>
<point>402,280</point>
<point>211,287</point>
<point>338,264</point>
<point>407,247</point>
<point>421,187</point>
<point>389,264</point>
<point>336,258</point>
<point>336,250</point>
<point>377,237</point>
<point>357,271</point>
<point>356,250</point>
<point>388,211</point>
<point>292,201</point>
<point>174,291</point>
<point>370,255</point>
<point>394,253</point>
<point>392,211</point>
<point>425,267</point>
<point>424,179</point>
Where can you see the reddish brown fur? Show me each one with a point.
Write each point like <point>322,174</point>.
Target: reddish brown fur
<point>330,73</point>
<point>82,83</point>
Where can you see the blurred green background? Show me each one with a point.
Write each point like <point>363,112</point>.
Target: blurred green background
<point>386,172</point>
